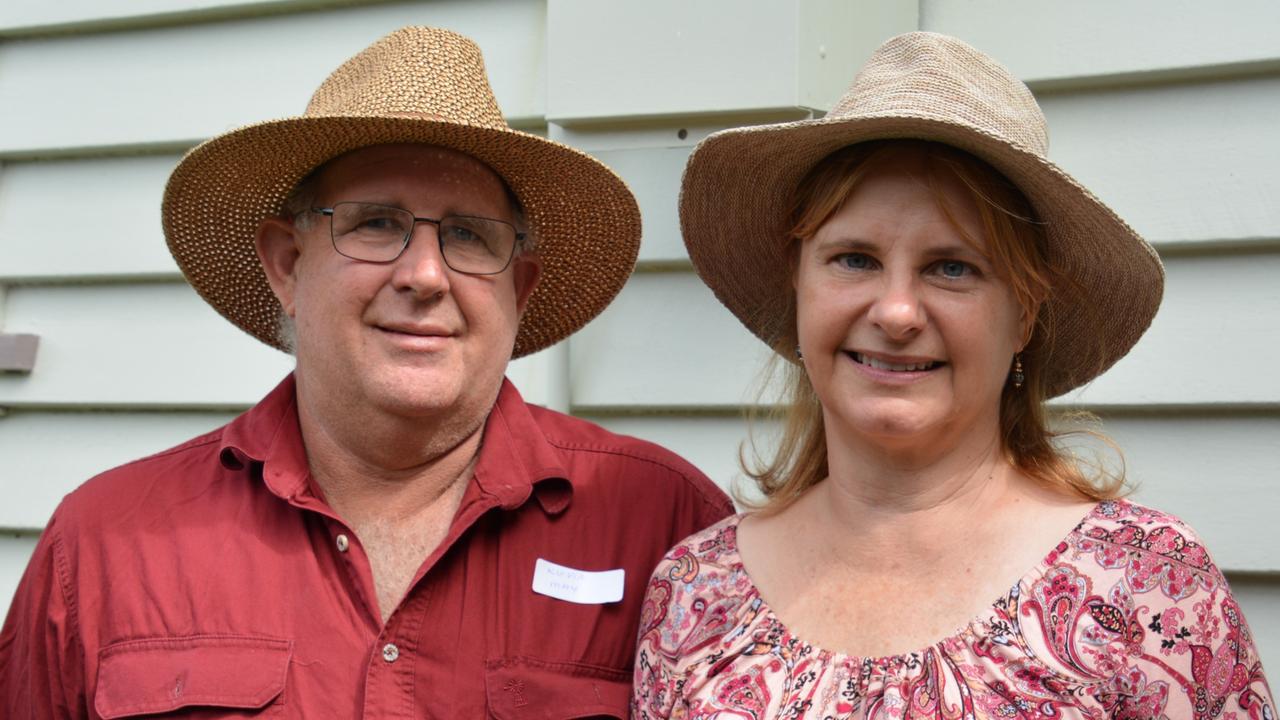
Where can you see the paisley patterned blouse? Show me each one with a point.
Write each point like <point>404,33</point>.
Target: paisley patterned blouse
<point>1126,618</point>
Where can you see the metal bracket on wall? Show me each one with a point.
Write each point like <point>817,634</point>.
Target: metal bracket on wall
<point>18,352</point>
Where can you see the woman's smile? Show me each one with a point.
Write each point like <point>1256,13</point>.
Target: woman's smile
<point>902,322</point>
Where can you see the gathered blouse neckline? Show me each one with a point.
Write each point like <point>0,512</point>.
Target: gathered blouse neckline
<point>971,629</point>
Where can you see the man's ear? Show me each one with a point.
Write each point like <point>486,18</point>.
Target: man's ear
<point>526,272</point>
<point>278,247</point>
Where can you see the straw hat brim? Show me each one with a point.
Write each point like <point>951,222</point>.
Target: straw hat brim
<point>586,220</point>
<point>733,215</point>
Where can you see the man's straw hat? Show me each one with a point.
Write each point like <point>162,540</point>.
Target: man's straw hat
<point>736,188</point>
<point>416,85</point>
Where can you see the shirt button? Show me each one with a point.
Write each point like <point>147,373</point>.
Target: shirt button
<point>390,652</point>
<point>342,543</point>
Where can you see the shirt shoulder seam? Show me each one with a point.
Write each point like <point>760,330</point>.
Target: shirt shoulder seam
<point>194,443</point>
<point>693,481</point>
<point>61,565</point>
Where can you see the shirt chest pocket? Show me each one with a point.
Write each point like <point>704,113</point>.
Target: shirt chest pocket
<point>517,688</point>
<point>215,675</point>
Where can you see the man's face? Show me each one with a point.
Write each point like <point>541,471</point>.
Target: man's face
<point>411,338</point>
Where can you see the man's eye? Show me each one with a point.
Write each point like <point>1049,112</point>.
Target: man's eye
<point>855,261</point>
<point>461,233</point>
<point>379,223</point>
<point>470,232</point>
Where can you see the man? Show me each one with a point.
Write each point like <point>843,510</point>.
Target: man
<point>392,531</point>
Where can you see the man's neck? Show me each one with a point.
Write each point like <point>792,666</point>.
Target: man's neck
<point>387,469</point>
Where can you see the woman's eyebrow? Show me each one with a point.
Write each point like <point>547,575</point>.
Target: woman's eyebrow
<point>848,242</point>
<point>954,250</point>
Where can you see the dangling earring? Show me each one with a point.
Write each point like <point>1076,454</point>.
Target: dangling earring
<point>1018,376</point>
<point>799,355</point>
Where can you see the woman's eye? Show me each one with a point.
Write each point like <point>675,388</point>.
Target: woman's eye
<point>855,261</point>
<point>954,269</point>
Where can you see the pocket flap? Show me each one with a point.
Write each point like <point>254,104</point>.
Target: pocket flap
<point>522,687</point>
<point>161,674</point>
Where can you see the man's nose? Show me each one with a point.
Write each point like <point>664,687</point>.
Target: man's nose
<point>898,310</point>
<point>421,268</point>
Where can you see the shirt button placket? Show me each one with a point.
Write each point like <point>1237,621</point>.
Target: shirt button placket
<point>390,652</point>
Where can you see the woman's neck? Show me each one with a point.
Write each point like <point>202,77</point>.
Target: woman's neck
<point>915,501</point>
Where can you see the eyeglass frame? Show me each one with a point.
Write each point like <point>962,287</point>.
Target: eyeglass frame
<point>408,235</point>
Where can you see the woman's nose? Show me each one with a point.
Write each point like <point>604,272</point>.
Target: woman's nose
<point>898,310</point>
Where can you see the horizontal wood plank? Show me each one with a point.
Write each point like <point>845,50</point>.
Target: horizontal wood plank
<point>45,455</point>
<point>15,551</point>
<point>1046,41</point>
<point>158,345</point>
<point>666,342</point>
<point>186,83</point>
<point>84,218</point>
<point>1181,171</point>
<point>25,17</point>
<point>684,67</point>
<point>668,58</point>
<point>1216,471</point>
<point>1184,163</point>
<point>143,345</point>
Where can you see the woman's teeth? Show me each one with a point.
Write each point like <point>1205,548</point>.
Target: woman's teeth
<point>893,367</point>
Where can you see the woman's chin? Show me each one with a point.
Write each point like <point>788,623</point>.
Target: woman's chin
<point>895,421</point>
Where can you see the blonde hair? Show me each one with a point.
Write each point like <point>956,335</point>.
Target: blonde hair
<point>1014,242</point>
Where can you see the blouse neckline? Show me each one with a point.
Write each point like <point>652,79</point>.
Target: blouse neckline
<point>885,663</point>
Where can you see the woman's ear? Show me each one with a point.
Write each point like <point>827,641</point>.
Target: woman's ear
<point>1027,325</point>
<point>277,243</point>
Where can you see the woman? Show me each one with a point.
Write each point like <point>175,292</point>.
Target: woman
<point>934,279</point>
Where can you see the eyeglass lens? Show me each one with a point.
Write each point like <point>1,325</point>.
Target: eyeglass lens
<point>379,233</point>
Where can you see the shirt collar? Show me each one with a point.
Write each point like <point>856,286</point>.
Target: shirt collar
<point>269,434</point>
<point>516,460</point>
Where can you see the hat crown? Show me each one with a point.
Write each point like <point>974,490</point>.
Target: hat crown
<point>423,72</point>
<point>936,76</point>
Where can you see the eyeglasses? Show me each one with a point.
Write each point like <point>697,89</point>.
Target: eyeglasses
<point>379,234</point>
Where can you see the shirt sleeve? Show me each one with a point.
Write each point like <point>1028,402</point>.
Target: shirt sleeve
<point>41,663</point>
<point>1188,650</point>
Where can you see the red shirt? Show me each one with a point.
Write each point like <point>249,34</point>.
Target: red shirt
<point>213,576</point>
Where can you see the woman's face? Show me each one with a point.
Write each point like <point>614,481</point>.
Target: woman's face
<point>906,332</point>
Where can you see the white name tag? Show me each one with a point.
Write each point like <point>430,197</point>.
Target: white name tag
<point>577,586</point>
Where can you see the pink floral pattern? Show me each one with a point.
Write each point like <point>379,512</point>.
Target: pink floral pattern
<point>1127,618</point>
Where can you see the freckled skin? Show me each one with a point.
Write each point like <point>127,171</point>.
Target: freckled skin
<point>922,520</point>
<point>398,364</point>
<point>347,365</point>
<point>904,303</point>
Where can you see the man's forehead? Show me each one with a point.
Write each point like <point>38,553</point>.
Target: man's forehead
<point>408,158</point>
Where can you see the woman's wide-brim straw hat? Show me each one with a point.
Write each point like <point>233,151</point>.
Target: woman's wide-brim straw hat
<point>416,85</point>
<point>738,183</point>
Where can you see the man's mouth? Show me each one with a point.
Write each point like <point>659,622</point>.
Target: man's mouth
<point>418,331</point>
<point>879,364</point>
